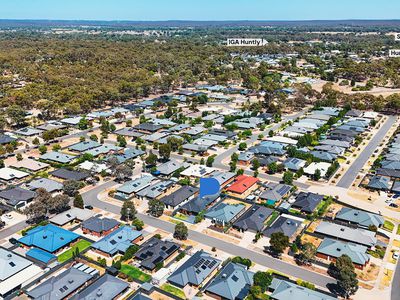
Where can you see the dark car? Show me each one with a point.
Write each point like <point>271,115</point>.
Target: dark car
<point>393,205</point>
<point>13,241</point>
<point>89,207</point>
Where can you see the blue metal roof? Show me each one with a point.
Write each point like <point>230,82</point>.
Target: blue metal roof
<point>40,255</point>
<point>49,237</point>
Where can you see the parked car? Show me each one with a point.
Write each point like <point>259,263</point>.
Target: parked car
<point>13,241</point>
<point>89,207</point>
<point>395,255</point>
<point>393,205</point>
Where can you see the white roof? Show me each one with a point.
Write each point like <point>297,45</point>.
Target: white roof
<point>30,164</point>
<point>370,114</point>
<point>322,166</point>
<point>88,165</point>
<point>282,139</point>
<point>15,270</point>
<point>9,174</point>
<point>70,215</point>
<point>197,171</point>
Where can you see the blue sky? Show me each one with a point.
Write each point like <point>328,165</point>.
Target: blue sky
<point>199,9</point>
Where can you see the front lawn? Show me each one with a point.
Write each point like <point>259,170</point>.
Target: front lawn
<point>388,226</point>
<point>135,273</point>
<point>173,290</point>
<point>81,245</point>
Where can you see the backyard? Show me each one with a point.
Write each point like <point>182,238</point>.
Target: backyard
<point>173,290</point>
<point>135,273</point>
<point>81,245</point>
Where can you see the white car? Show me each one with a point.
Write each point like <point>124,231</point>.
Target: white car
<point>395,255</point>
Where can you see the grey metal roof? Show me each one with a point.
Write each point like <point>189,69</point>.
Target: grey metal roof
<point>155,251</point>
<point>105,288</point>
<point>97,224</point>
<point>307,202</point>
<point>285,225</point>
<point>356,235</point>
<point>233,282</point>
<point>335,248</point>
<point>58,157</point>
<point>222,176</point>
<point>360,217</point>
<point>379,182</point>
<point>45,183</point>
<point>135,185</point>
<point>195,270</point>
<point>60,286</point>
<point>84,146</point>
<point>156,189</point>
<point>69,175</point>
<point>198,204</point>
<point>285,290</point>
<point>253,218</point>
<point>276,193</point>
<point>179,196</point>
<point>6,139</point>
<point>148,127</point>
<point>15,195</point>
<point>224,212</point>
<point>171,166</point>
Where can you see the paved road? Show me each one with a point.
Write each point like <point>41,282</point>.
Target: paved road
<point>7,232</point>
<point>351,174</point>
<point>90,197</point>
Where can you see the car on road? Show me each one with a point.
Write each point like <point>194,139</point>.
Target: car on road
<point>395,255</point>
<point>89,207</point>
<point>393,205</point>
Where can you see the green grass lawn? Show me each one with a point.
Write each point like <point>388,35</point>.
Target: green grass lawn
<point>135,273</point>
<point>181,216</point>
<point>173,290</point>
<point>398,229</point>
<point>81,245</point>
<point>388,226</point>
<point>272,218</point>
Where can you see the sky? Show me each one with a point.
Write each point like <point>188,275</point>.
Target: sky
<point>208,10</point>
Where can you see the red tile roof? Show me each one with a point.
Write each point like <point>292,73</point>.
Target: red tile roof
<point>242,184</point>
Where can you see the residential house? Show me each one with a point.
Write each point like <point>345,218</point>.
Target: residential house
<point>331,249</point>
<point>9,174</point>
<point>99,226</point>
<point>147,127</point>
<point>307,202</point>
<point>253,219</point>
<point>379,183</point>
<point>233,282</point>
<point>276,194</point>
<point>57,157</point>
<point>104,150</point>
<point>84,146</point>
<point>30,165</point>
<point>356,235</point>
<point>15,272</point>
<point>179,197</point>
<point>117,242</point>
<point>49,238</point>
<point>69,175</point>
<point>197,171</point>
<point>195,270</point>
<point>61,286</point>
<point>223,214</point>
<point>106,287</point>
<point>285,225</point>
<point>71,215</point>
<point>197,204</point>
<point>129,189</point>
<point>49,185</point>
<point>243,184</point>
<point>294,164</point>
<point>284,290</point>
<point>359,217</point>
<point>155,252</point>
<point>168,168</point>
<point>245,158</point>
<point>156,190</point>
<point>17,197</point>
<point>28,131</point>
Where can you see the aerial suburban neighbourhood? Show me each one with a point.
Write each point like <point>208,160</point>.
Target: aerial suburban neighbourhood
<point>112,131</point>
